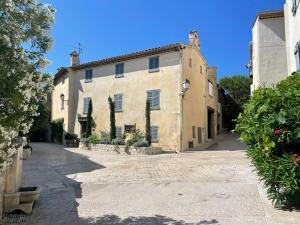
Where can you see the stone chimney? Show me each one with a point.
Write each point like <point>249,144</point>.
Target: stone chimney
<point>74,58</point>
<point>194,39</point>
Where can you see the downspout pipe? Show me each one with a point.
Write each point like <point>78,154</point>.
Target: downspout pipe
<point>181,101</point>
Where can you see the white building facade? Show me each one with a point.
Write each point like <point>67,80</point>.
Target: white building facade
<point>292,28</point>
<point>275,46</point>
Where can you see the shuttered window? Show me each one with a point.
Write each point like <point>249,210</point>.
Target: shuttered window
<point>118,98</point>
<point>86,102</point>
<point>194,131</point>
<point>118,131</point>
<point>294,7</point>
<point>154,98</point>
<point>119,70</point>
<point>62,101</point>
<point>154,133</point>
<point>88,75</point>
<point>297,56</point>
<point>153,63</point>
<point>210,88</point>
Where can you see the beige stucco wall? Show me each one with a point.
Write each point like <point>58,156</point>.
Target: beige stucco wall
<point>61,87</point>
<point>137,80</point>
<point>194,103</point>
<point>212,101</point>
<point>269,55</point>
<point>292,32</point>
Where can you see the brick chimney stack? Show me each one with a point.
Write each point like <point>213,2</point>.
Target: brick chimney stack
<point>194,39</point>
<point>74,58</point>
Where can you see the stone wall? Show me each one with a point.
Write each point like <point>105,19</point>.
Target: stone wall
<point>123,150</point>
<point>2,182</point>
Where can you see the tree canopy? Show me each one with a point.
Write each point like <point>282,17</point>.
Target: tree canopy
<point>24,39</point>
<point>238,87</point>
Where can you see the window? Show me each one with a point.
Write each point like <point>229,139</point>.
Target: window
<point>88,75</point>
<point>297,56</point>
<point>62,101</point>
<point>119,70</point>
<point>200,69</point>
<point>190,62</point>
<point>154,64</point>
<point>86,102</point>
<point>118,131</point>
<point>153,97</point>
<point>154,133</point>
<point>294,7</point>
<point>210,88</point>
<point>194,131</point>
<point>118,98</point>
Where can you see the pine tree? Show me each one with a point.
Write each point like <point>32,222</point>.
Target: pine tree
<point>112,119</point>
<point>148,123</point>
<point>89,119</point>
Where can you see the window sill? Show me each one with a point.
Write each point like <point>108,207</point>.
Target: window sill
<point>153,70</point>
<point>154,141</point>
<point>154,109</point>
<point>88,81</point>
<point>119,111</point>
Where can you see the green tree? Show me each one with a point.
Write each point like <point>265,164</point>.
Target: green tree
<point>148,122</point>
<point>24,39</point>
<point>112,119</point>
<point>89,119</point>
<point>238,87</point>
<point>42,119</point>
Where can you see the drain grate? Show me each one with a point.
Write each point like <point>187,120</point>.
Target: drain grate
<point>14,220</point>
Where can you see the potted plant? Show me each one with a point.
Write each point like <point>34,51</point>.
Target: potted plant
<point>71,140</point>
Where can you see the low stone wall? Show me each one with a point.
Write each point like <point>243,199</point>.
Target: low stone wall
<point>123,150</point>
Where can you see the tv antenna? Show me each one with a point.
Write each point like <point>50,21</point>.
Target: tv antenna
<point>78,48</point>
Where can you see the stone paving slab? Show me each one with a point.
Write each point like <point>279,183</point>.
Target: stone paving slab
<point>208,187</point>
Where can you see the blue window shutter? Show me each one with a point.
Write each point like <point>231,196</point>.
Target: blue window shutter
<point>118,98</point>
<point>86,102</point>
<point>119,70</point>
<point>154,133</point>
<point>154,98</point>
<point>119,131</point>
<point>150,63</point>
<point>88,75</point>
<point>157,62</point>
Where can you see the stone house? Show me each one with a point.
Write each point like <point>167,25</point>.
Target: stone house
<point>182,90</point>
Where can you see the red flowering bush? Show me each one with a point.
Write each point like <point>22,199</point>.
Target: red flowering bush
<point>270,126</point>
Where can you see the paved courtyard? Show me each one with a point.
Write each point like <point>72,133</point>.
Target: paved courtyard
<point>216,186</point>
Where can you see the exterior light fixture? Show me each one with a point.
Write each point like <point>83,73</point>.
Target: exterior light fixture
<point>185,85</point>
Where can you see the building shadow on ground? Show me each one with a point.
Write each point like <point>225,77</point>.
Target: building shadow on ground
<point>154,220</point>
<point>55,171</point>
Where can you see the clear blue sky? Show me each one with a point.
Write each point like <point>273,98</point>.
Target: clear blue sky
<point>113,27</point>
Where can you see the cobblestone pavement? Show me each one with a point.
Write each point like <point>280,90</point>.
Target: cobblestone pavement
<point>206,187</point>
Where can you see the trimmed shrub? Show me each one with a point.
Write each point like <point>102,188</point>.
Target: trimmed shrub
<point>94,138</point>
<point>104,137</point>
<point>70,136</point>
<point>148,122</point>
<point>57,130</point>
<point>112,119</point>
<point>270,125</point>
<point>134,137</point>
<point>118,141</point>
<point>141,144</point>
<point>89,119</point>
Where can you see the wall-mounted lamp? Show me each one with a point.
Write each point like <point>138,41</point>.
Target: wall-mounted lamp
<point>185,86</point>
